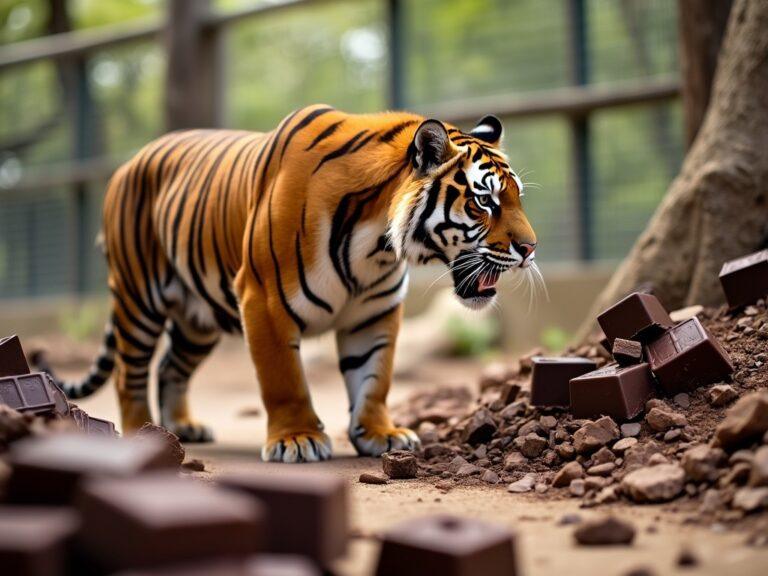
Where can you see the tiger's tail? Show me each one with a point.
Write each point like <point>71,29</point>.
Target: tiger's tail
<point>97,376</point>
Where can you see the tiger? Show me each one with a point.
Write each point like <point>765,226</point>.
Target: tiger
<point>288,234</point>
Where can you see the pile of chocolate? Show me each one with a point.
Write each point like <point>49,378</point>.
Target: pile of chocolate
<point>670,406</point>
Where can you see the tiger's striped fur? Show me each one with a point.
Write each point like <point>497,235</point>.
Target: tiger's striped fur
<point>291,233</point>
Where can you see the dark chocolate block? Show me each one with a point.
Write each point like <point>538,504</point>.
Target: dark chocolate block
<point>627,352</point>
<point>745,280</point>
<point>448,546</point>
<point>47,470</point>
<point>637,317</point>
<point>259,565</point>
<point>61,404</point>
<point>12,359</point>
<point>307,513</point>
<point>161,518</point>
<point>549,382</point>
<point>615,391</point>
<point>27,393</point>
<point>91,425</point>
<point>34,541</point>
<point>687,356</point>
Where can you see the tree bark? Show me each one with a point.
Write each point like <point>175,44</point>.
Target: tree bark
<point>701,27</point>
<point>717,207</point>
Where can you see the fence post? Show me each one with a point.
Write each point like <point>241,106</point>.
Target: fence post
<point>193,90</point>
<point>581,155</point>
<point>395,24</point>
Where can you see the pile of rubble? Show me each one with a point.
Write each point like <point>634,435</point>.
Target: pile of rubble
<point>708,446</point>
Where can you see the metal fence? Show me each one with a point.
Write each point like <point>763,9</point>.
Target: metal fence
<point>587,89</point>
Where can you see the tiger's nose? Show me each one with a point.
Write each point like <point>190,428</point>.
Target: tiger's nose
<point>524,249</point>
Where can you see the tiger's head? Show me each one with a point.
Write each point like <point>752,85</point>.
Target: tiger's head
<point>462,207</point>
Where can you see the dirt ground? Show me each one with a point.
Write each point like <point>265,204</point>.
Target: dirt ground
<point>225,394</point>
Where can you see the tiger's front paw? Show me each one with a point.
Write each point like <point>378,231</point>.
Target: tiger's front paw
<point>300,446</point>
<point>376,441</point>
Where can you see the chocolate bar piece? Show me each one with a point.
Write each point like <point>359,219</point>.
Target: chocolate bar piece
<point>687,356</point>
<point>636,317</point>
<point>613,390</point>
<point>627,352</point>
<point>161,518</point>
<point>27,393</point>
<point>449,546</point>
<point>745,280</point>
<point>61,404</point>
<point>47,470</point>
<point>259,565</point>
<point>549,382</point>
<point>91,425</point>
<point>307,513</point>
<point>12,359</point>
<point>34,541</point>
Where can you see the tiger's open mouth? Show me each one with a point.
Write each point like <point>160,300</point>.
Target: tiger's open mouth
<point>468,284</point>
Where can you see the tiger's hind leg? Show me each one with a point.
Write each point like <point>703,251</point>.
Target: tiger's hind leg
<point>188,345</point>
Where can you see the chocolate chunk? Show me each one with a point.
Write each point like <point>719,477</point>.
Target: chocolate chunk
<point>61,406</point>
<point>479,430</point>
<point>89,424</point>
<point>627,352</point>
<point>637,317</point>
<point>399,464</point>
<point>745,280</point>
<point>162,518</point>
<point>47,470</point>
<point>34,541</point>
<point>372,478</point>
<point>27,393</point>
<point>549,382</point>
<point>259,565</point>
<point>604,531</point>
<point>615,391</point>
<point>12,359</point>
<point>174,451</point>
<point>687,356</point>
<point>447,545</point>
<point>307,513</point>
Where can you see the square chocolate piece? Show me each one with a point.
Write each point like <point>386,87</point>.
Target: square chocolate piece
<point>627,352</point>
<point>47,470</point>
<point>307,513</point>
<point>549,382</point>
<point>12,359</point>
<point>615,391</point>
<point>161,518</point>
<point>34,541</point>
<point>27,393</point>
<point>636,317</point>
<point>448,546</point>
<point>745,280</point>
<point>687,356</point>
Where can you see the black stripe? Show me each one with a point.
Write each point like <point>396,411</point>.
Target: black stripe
<point>306,121</point>
<point>388,291</point>
<point>343,149</point>
<point>354,362</point>
<point>373,319</point>
<point>324,134</point>
<point>311,296</point>
<point>362,142</point>
<point>392,133</point>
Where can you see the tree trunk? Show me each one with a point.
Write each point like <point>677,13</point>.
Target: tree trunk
<point>701,27</point>
<point>717,207</point>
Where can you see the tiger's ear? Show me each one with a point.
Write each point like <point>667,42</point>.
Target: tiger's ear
<point>431,146</point>
<point>489,129</point>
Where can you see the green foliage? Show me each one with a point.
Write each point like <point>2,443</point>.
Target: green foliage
<point>472,337</point>
<point>81,321</point>
<point>554,339</point>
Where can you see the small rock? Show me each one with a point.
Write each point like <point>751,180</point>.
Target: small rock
<point>721,395</point>
<point>490,477</point>
<point>548,422</point>
<point>654,484</point>
<point>525,484</point>
<point>531,427</point>
<point>436,450</point>
<point>577,488</point>
<point>480,428</point>
<point>565,450</point>
<point>594,483</point>
<point>603,456</point>
<point>455,464</point>
<point>541,488</point>
<point>604,531</point>
<point>673,435</point>
<point>427,433</point>
<point>701,463</point>
<point>399,464</point>
<point>601,469</point>
<point>662,420</point>
<point>745,421</point>
<point>173,451</point>
<point>750,499</point>
<point>630,429</point>
<point>682,400</point>
<point>568,473</point>
<point>607,495</point>
<point>640,571</point>
<point>194,465</point>
<point>531,445</point>
<point>444,485</point>
<point>640,454</point>
<point>624,444</point>
<point>759,473</point>
<point>593,435</point>
<point>371,478</point>
<point>657,459</point>
<point>466,470</point>
<point>508,393</point>
<point>741,456</point>
<point>568,519</point>
<point>513,461</point>
<point>710,502</point>
<point>687,558</point>
<point>737,475</point>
